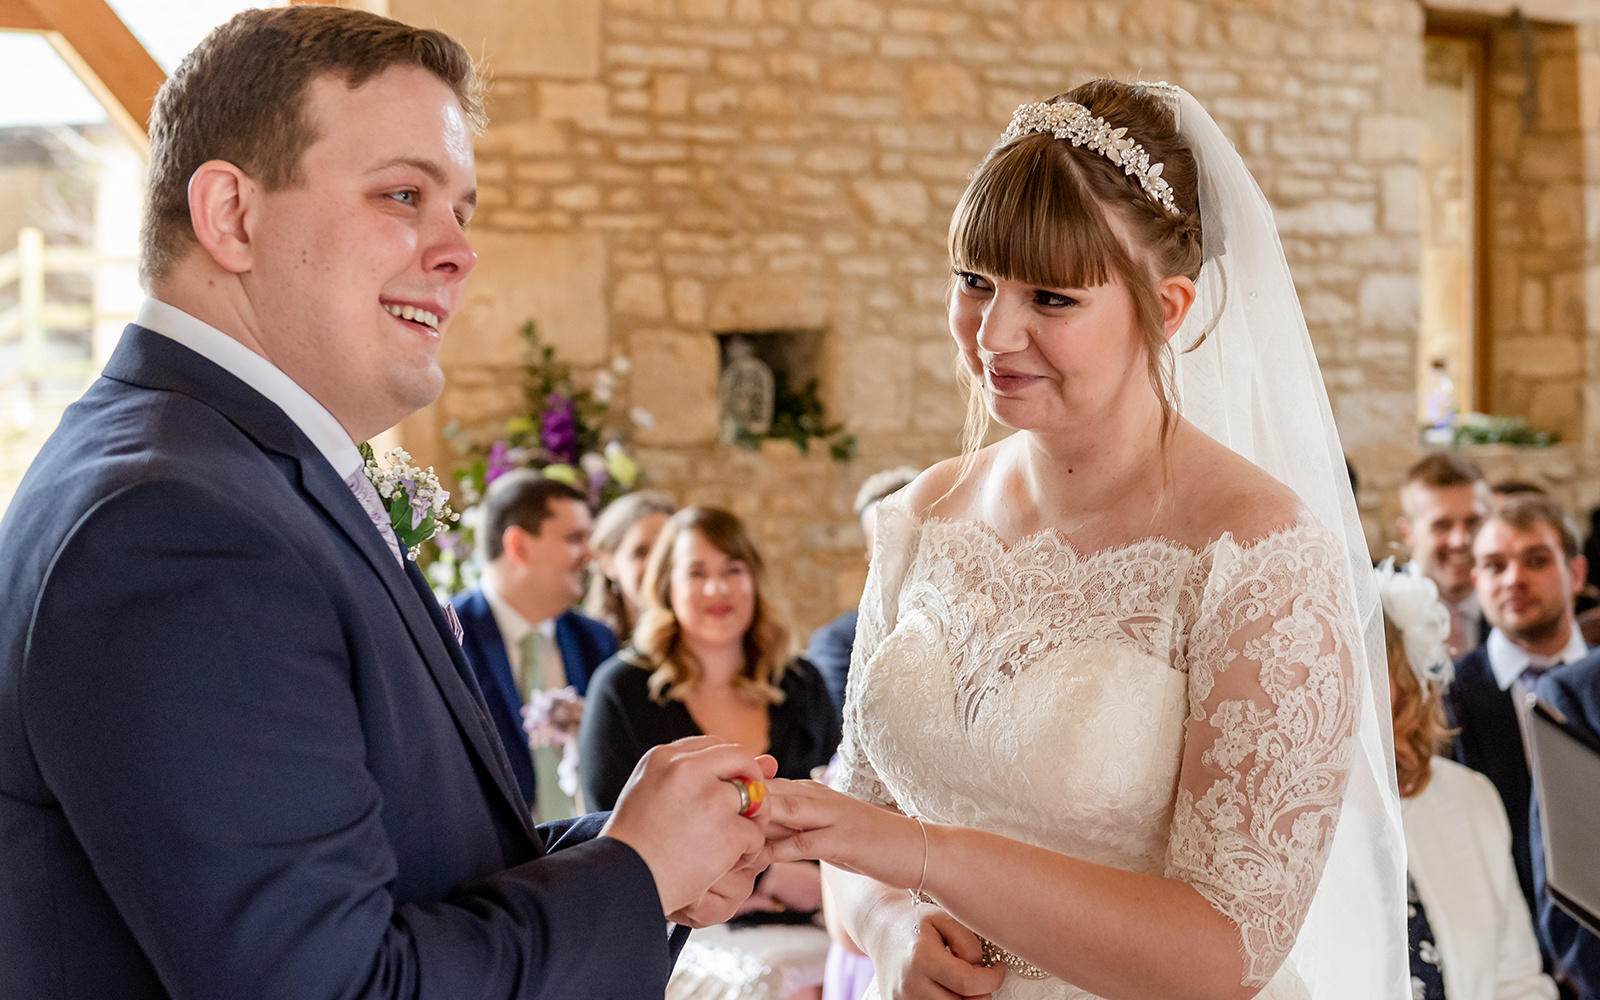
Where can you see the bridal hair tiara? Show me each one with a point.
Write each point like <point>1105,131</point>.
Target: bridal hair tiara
<point>1081,127</point>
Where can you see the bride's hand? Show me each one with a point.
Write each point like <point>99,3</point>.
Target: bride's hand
<point>809,821</point>
<point>930,954</point>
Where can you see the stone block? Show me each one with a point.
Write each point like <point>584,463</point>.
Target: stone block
<point>688,302</point>
<point>767,302</point>
<point>640,294</point>
<point>892,202</point>
<point>928,21</point>
<point>1558,93</point>
<point>554,279</point>
<point>580,102</point>
<point>540,38</point>
<point>670,94</point>
<point>680,389</point>
<point>1389,138</point>
<point>1401,197</point>
<point>863,15</point>
<point>873,383</point>
<point>521,138</point>
<point>837,159</point>
<point>577,197</point>
<point>941,91</point>
<point>1328,217</point>
<point>1542,357</point>
<point>1389,303</point>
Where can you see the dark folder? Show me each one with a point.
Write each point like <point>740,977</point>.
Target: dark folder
<point>1566,769</point>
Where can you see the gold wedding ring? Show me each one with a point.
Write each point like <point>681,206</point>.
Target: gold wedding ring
<point>751,795</point>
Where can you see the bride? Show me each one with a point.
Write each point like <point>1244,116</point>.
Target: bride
<point>1115,675</point>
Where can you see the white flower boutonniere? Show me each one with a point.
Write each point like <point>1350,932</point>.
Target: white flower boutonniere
<point>418,506</point>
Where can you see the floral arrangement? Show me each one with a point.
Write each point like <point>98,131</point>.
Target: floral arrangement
<point>1480,428</point>
<point>567,432</point>
<point>418,506</point>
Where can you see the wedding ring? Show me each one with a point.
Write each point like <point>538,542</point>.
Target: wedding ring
<point>751,795</point>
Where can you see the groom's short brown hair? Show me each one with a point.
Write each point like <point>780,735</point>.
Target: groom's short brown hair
<point>239,96</point>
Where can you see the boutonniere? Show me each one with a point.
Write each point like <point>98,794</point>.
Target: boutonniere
<point>418,506</point>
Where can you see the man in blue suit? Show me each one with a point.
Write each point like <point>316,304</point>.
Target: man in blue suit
<point>241,754</point>
<point>1574,691</point>
<point>1527,568</point>
<point>519,630</point>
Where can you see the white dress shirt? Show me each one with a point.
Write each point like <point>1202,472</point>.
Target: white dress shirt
<point>313,419</point>
<point>514,628</point>
<point>1507,660</point>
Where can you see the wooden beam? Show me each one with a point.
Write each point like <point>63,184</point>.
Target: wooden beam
<point>19,15</point>
<point>98,46</point>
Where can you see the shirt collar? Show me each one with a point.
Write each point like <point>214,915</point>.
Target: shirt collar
<point>513,625</point>
<point>313,419</point>
<point>1507,660</point>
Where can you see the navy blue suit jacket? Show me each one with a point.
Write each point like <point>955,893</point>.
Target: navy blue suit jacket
<point>240,754</point>
<point>1574,691</point>
<point>584,644</point>
<point>1490,742</point>
<point>829,651</point>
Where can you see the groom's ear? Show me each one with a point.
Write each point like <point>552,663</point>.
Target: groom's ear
<point>221,197</point>
<point>1176,295</point>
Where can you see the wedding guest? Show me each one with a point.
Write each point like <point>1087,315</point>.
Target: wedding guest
<point>1527,567</point>
<point>1470,934</point>
<point>830,645</point>
<point>1112,678</point>
<point>621,540</point>
<point>1443,500</point>
<point>242,755</point>
<point>519,629</point>
<point>710,655</point>
<point>1574,691</point>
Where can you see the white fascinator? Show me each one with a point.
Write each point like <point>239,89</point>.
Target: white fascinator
<point>1411,601</point>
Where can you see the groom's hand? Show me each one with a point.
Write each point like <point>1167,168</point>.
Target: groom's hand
<point>680,812</point>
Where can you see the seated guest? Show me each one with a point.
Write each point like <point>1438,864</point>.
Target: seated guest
<point>519,631</point>
<point>830,645</point>
<point>710,655</point>
<point>621,540</point>
<point>1470,934</point>
<point>1442,502</point>
<point>1526,569</point>
<point>1574,691</point>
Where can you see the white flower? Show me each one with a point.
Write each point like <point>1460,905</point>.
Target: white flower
<point>593,463</point>
<point>605,384</point>
<point>621,365</point>
<point>642,417</point>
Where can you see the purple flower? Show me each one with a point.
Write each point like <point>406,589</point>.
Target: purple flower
<point>499,462</point>
<point>559,429</point>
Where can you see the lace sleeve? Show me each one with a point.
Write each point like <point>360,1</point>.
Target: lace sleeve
<point>894,544</point>
<point>1272,713</point>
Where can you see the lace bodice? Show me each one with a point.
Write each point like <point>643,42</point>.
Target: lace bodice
<point>1152,707</point>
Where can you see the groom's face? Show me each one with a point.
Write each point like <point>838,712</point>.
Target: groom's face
<point>359,265</point>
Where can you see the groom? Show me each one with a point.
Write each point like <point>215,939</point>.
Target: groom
<point>240,752</point>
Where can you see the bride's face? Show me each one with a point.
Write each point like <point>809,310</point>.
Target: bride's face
<point>1048,357</point>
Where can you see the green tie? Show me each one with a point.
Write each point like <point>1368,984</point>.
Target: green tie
<point>551,803</point>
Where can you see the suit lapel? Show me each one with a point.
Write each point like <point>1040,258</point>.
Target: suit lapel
<point>148,359</point>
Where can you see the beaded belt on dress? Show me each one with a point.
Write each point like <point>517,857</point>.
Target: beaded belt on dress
<point>994,955</point>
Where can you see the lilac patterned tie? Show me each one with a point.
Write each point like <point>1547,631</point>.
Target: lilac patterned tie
<point>367,496</point>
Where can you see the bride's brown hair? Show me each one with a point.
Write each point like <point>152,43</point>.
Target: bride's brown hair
<point>1040,210</point>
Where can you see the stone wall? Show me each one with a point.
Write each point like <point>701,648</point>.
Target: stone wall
<point>661,171</point>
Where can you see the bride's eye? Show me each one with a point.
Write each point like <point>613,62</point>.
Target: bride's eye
<point>973,282</point>
<point>1053,300</point>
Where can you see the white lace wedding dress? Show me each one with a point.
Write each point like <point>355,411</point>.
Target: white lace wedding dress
<point>1153,707</point>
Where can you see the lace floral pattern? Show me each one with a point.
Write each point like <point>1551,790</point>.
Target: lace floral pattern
<point>1152,707</point>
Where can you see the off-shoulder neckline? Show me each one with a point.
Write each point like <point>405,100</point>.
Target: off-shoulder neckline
<point>1062,540</point>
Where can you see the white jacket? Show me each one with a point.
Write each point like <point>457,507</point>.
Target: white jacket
<point>1458,849</point>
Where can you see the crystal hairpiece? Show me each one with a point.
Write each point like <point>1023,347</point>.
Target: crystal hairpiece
<point>1081,127</point>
